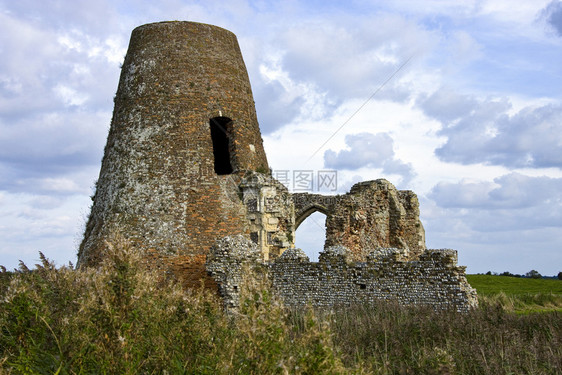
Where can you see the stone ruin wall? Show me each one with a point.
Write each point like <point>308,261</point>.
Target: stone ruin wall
<point>336,280</point>
<point>270,214</point>
<point>374,214</point>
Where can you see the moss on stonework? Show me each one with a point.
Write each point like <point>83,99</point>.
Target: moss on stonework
<point>263,170</point>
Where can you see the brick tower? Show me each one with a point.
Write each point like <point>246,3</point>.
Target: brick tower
<point>184,131</point>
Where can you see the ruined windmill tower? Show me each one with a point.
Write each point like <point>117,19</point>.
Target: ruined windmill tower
<point>184,179</point>
<point>184,131</point>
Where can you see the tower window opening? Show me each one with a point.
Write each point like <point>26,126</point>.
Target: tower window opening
<point>220,127</point>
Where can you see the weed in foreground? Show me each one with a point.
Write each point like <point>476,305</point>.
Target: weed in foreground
<point>391,339</point>
<point>123,318</point>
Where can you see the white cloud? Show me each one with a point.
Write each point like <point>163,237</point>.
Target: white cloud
<point>512,223</point>
<point>33,223</point>
<point>286,100</point>
<point>58,146</point>
<point>489,131</point>
<point>512,191</point>
<point>464,48</point>
<point>306,71</point>
<point>521,13</point>
<point>69,96</point>
<point>366,150</point>
<point>498,15</point>
<point>553,14</point>
<point>60,185</point>
<point>351,57</point>
<point>25,48</point>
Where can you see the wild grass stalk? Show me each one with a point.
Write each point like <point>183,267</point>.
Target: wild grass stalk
<point>125,318</point>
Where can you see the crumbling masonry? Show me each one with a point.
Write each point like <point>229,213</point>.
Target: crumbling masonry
<point>185,178</point>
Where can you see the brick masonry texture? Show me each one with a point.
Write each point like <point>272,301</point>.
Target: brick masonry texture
<point>185,179</point>
<point>157,185</point>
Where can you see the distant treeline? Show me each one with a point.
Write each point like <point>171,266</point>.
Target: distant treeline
<point>532,274</point>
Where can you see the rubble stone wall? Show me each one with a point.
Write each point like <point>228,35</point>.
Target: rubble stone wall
<point>229,262</point>
<point>373,214</point>
<point>336,280</point>
<point>434,279</point>
<point>271,216</point>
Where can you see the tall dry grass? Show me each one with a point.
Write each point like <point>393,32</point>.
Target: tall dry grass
<point>390,339</point>
<point>124,318</point>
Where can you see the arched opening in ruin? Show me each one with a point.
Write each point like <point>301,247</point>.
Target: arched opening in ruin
<point>307,211</point>
<point>310,234</point>
<point>220,130</point>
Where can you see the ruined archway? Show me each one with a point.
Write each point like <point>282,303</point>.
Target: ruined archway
<point>310,233</point>
<point>303,214</point>
<point>220,130</point>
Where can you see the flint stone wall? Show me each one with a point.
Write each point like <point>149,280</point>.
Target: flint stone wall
<point>228,262</point>
<point>434,279</point>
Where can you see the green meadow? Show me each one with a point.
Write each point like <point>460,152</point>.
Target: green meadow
<point>519,295</point>
<point>491,285</point>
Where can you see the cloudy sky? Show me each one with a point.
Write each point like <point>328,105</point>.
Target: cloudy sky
<point>459,101</point>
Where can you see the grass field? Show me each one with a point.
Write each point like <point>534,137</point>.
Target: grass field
<point>521,295</point>
<point>490,285</point>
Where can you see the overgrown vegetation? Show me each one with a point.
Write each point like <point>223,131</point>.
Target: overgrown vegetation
<point>390,339</point>
<point>124,318</point>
